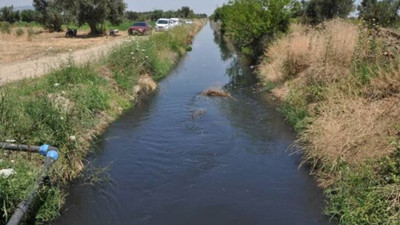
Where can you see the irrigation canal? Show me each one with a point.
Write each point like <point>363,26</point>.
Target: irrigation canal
<point>227,165</point>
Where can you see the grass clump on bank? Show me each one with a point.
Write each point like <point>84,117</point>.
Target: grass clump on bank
<point>69,107</point>
<point>339,84</point>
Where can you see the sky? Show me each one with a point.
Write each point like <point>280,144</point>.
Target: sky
<point>199,6</point>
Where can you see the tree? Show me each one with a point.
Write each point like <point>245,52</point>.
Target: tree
<point>29,16</point>
<point>50,14</point>
<point>251,24</point>
<point>384,13</point>
<point>319,10</point>
<point>186,12</point>
<point>96,12</point>
<point>156,14</point>
<point>8,14</point>
<point>132,16</point>
<point>299,8</point>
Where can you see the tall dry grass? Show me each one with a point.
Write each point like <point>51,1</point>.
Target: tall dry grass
<point>322,53</point>
<point>351,120</point>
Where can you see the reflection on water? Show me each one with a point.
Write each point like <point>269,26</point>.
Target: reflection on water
<point>227,167</point>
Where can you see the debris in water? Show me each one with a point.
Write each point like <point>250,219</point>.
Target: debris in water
<point>198,113</point>
<point>6,172</point>
<point>146,84</point>
<point>216,92</point>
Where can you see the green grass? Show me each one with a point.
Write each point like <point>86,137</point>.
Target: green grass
<point>368,193</point>
<point>76,100</point>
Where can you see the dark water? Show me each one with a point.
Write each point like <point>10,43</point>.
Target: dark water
<point>227,167</point>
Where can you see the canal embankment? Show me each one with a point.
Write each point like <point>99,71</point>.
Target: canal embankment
<point>70,106</point>
<point>338,85</point>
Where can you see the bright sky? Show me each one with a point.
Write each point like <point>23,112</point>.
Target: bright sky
<point>199,6</point>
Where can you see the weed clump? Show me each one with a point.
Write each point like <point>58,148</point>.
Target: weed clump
<point>216,92</point>
<point>5,28</point>
<point>19,32</point>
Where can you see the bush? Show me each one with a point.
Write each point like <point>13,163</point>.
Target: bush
<point>5,27</point>
<point>19,32</point>
<point>251,24</point>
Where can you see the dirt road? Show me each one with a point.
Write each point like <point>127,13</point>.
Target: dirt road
<point>10,72</point>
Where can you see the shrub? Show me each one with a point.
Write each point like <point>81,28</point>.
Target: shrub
<point>19,32</point>
<point>5,27</point>
<point>252,24</point>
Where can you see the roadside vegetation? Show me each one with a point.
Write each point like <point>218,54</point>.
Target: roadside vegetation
<point>338,81</point>
<point>70,106</point>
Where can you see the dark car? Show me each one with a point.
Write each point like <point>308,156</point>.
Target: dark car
<point>140,28</point>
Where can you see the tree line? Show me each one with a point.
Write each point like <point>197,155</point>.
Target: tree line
<point>374,12</point>
<point>8,14</point>
<point>252,24</point>
<point>184,12</point>
<point>52,14</point>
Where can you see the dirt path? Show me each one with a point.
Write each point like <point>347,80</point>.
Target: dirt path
<point>38,67</point>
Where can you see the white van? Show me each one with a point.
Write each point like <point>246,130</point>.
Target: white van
<point>163,24</point>
<point>174,22</point>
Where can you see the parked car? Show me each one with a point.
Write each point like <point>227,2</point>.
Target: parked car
<point>140,28</point>
<point>162,24</point>
<point>189,21</point>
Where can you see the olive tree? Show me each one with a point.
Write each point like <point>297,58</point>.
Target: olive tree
<point>8,14</point>
<point>50,14</point>
<point>96,12</point>
<point>384,13</point>
<point>320,10</point>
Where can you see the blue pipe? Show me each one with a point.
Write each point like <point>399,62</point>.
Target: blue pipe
<point>51,154</point>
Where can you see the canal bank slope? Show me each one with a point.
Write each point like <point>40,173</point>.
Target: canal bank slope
<point>70,106</point>
<point>339,86</point>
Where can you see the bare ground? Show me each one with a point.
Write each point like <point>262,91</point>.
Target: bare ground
<point>27,57</point>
